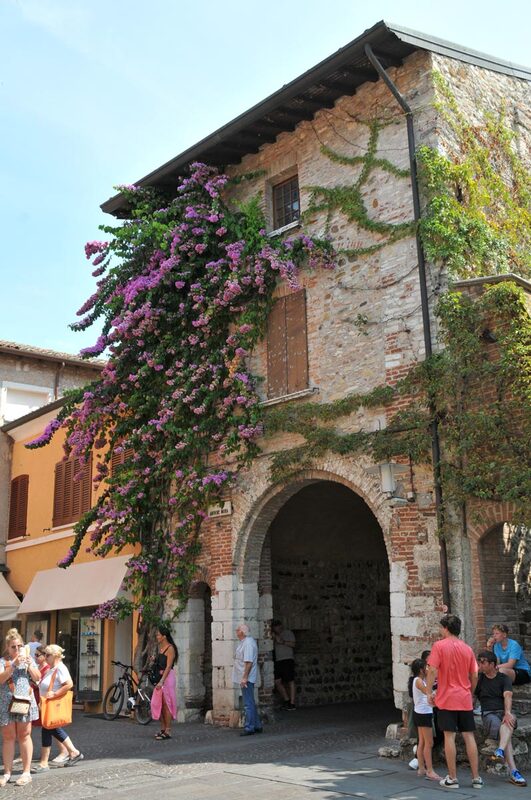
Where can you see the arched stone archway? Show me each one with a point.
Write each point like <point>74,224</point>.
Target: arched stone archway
<point>240,592</point>
<point>257,508</point>
<point>256,568</point>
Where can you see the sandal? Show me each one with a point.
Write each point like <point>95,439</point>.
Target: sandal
<point>24,779</point>
<point>160,737</point>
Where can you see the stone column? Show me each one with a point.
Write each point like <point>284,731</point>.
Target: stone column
<point>189,636</point>
<point>233,602</point>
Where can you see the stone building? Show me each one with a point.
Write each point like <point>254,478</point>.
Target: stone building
<point>346,552</point>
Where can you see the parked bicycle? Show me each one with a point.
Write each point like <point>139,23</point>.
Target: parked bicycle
<point>138,692</point>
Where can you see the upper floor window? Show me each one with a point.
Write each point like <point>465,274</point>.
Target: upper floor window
<point>121,457</point>
<point>71,498</point>
<point>287,346</point>
<point>18,507</point>
<point>286,202</point>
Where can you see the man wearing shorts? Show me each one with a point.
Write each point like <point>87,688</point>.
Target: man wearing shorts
<point>452,663</point>
<point>495,692</point>
<point>284,664</point>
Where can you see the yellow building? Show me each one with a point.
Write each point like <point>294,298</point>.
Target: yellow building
<point>45,503</point>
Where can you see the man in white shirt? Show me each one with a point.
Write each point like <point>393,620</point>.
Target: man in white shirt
<point>244,673</point>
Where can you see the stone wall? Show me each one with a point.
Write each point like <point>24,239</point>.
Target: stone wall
<point>339,612</point>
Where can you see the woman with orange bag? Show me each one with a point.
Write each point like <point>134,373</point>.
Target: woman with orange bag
<point>55,684</point>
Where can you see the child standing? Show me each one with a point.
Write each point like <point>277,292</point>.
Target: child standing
<point>423,719</point>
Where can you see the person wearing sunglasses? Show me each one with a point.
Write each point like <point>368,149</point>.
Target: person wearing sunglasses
<point>16,670</point>
<point>43,666</point>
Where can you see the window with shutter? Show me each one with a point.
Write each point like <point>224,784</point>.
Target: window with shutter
<point>120,458</point>
<point>287,346</point>
<point>18,507</point>
<point>72,498</point>
<point>286,202</point>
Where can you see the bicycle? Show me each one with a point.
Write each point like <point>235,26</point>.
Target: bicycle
<point>138,693</point>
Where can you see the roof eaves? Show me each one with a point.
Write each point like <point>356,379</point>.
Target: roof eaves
<point>28,351</point>
<point>382,36</point>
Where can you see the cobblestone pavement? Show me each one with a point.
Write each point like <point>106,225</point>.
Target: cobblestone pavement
<point>311,754</point>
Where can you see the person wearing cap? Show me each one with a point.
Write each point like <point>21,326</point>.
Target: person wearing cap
<point>495,692</point>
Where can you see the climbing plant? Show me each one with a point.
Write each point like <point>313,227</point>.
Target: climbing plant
<point>349,200</point>
<point>183,295</point>
<point>477,219</point>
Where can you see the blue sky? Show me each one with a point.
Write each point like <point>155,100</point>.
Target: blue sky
<point>94,93</point>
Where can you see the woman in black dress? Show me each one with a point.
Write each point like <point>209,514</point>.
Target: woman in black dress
<point>164,699</point>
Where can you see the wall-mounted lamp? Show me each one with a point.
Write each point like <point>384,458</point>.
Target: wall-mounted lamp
<point>387,473</point>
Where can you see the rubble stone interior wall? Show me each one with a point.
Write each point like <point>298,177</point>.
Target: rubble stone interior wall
<point>330,585</point>
<point>505,561</point>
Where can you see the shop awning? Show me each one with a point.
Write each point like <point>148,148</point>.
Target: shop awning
<point>77,586</point>
<point>9,602</point>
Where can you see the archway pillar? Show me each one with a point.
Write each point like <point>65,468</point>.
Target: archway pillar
<point>233,602</point>
<point>189,635</point>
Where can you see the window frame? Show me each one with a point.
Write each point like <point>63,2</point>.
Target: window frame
<point>71,499</point>
<point>281,216</point>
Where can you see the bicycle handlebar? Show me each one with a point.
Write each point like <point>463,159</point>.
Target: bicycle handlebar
<point>129,667</point>
<point>119,664</point>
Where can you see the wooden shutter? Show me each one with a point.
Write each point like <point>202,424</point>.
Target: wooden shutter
<point>297,343</point>
<point>18,507</point>
<point>287,346</point>
<point>59,493</point>
<point>277,363</point>
<point>71,498</point>
<point>120,458</point>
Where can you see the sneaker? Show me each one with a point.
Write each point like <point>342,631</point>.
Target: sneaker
<point>498,755</point>
<point>517,778</point>
<point>449,783</point>
<point>414,763</point>
<point>477,783</point>
<point>291,707</point>
<point>477,711</point>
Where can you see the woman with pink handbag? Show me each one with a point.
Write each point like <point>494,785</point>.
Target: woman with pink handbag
<point>17,706</point>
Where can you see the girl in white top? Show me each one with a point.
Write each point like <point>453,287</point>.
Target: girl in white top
<point>423,719</point>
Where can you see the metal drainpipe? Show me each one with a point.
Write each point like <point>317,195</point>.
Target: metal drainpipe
<point>435,444</point>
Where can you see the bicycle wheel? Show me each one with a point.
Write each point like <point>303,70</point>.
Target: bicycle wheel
<point>113,700</point>
<point>143,710</point>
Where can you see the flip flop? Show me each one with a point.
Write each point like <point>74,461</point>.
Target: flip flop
<point>74,760</point>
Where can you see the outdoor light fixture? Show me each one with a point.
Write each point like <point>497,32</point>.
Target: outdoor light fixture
<point>387,473</point>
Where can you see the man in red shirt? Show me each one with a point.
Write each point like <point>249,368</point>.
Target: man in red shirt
<point>453,664</point>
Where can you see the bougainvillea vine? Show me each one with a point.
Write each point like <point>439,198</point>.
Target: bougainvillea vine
<point>183,293</point>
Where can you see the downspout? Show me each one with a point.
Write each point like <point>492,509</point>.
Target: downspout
<point>435,443</point>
